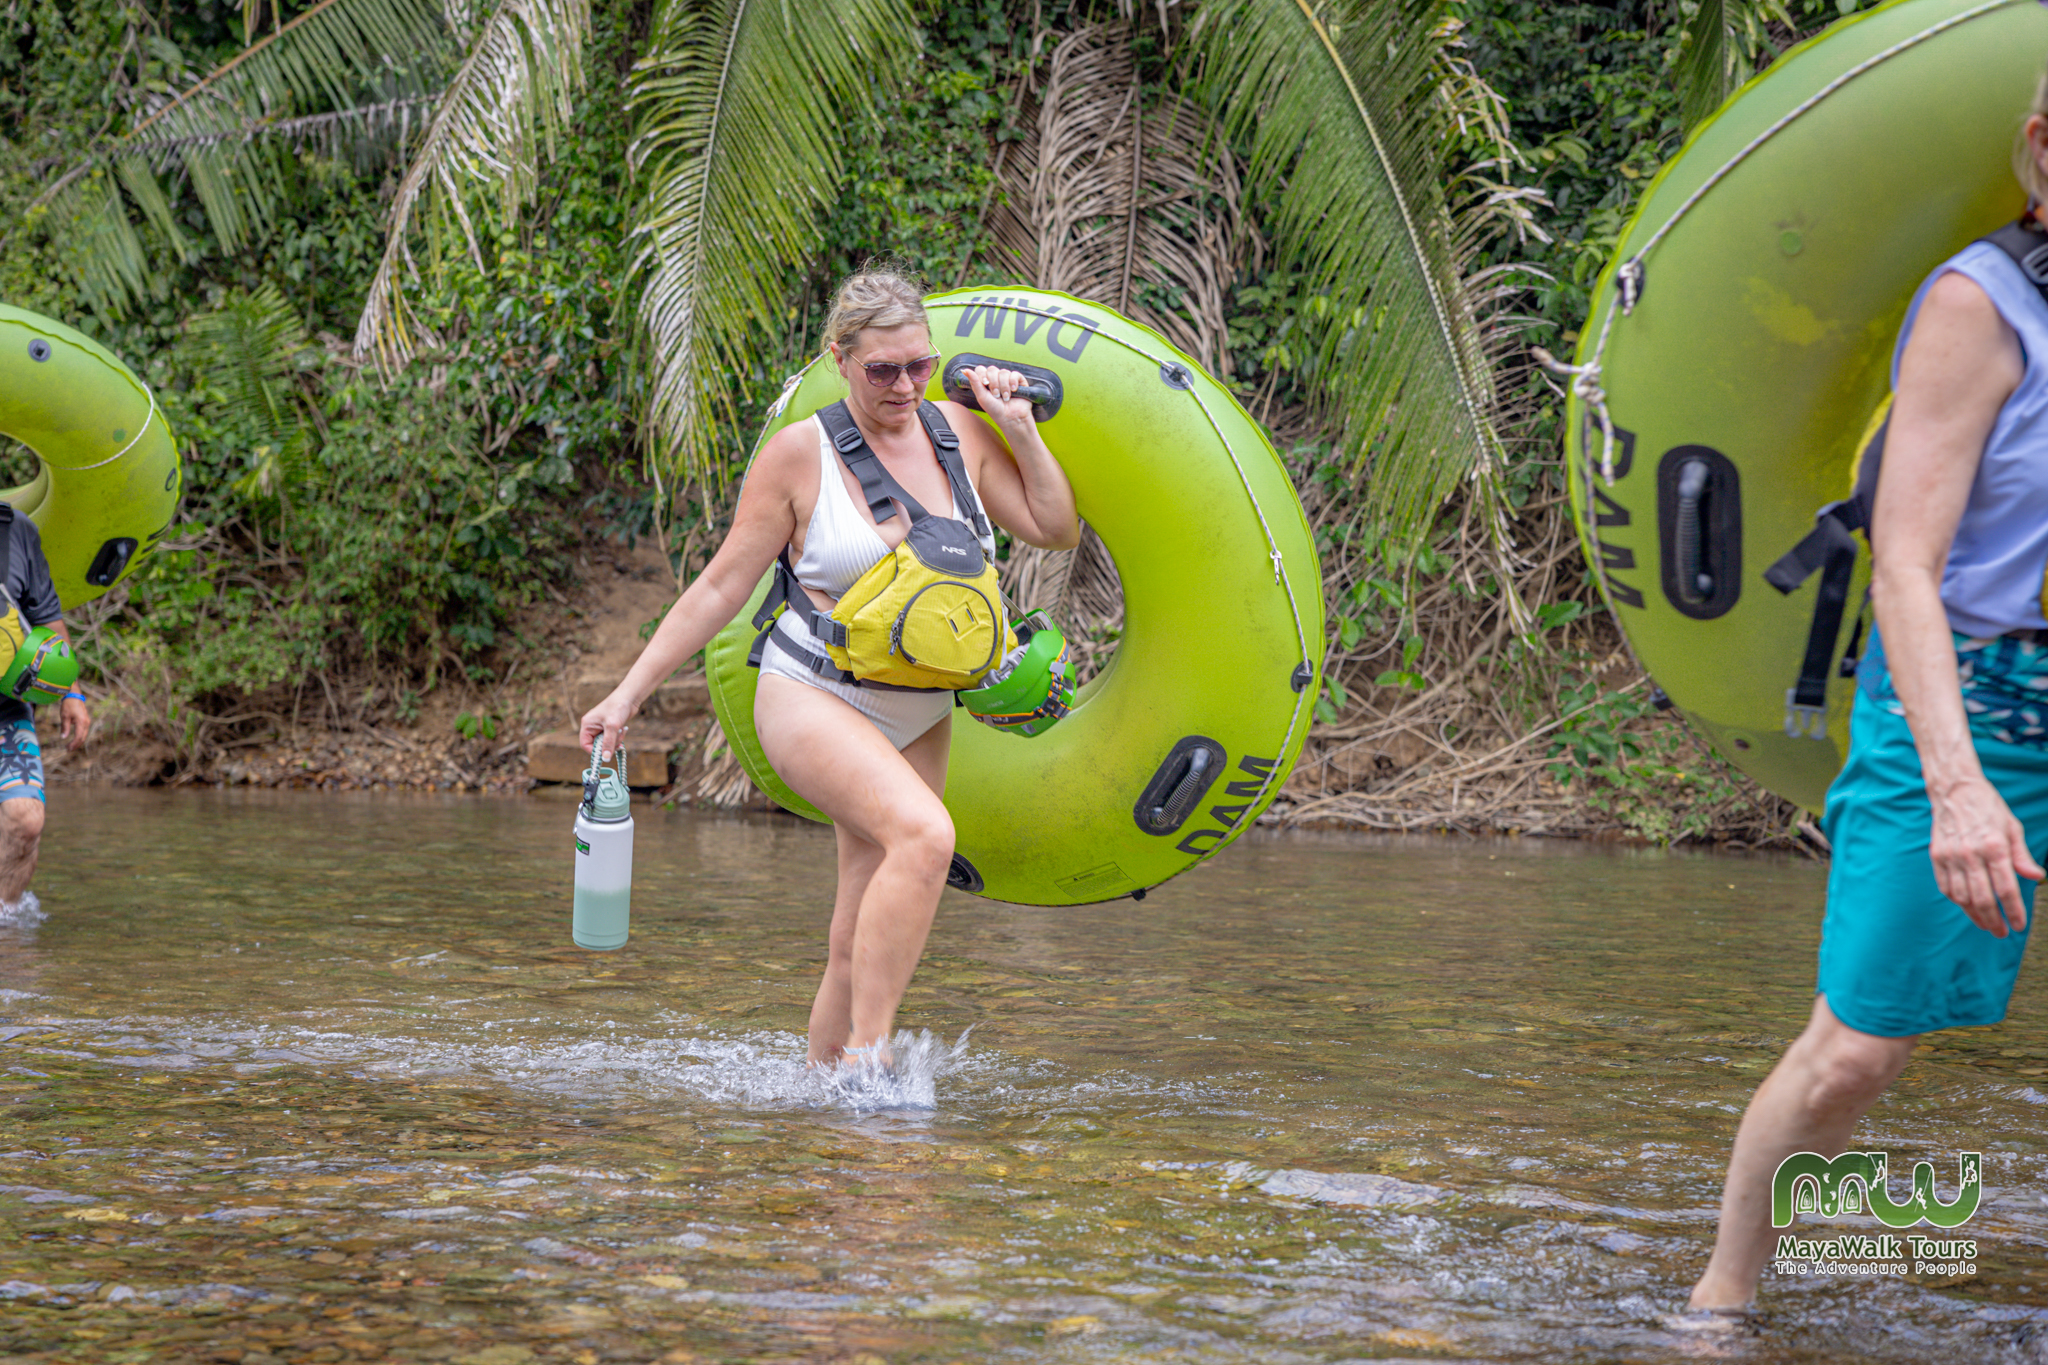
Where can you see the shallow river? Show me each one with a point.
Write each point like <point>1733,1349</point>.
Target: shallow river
<point>311,1078</point>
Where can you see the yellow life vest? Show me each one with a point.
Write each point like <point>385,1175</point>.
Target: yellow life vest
<point>929,615</point>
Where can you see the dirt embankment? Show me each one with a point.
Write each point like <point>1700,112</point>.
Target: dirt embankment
<point>1399,771</point>
<point>464,738</point>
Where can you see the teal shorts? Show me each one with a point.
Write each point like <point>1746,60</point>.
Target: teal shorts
<point>1896,956</point>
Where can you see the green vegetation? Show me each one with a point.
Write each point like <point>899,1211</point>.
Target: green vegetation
<point>432,298</point>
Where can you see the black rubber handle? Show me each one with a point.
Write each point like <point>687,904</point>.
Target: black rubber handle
<point>1030,393</point>
<point>1174,809</point>
<point>1041,387</point>
<point>1693,578</point>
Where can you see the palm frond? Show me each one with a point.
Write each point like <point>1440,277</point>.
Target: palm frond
<point>739,106</point>
<point>89,225</point>
<point>226,133</point>
<point>1721,43</point>
<point>1109,188</point>
<point>247,351</point>
<point>1129,197</point>
<point>500,113</point>
<point>1338,104</point>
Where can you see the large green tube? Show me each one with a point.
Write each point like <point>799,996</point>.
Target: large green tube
<point>109,474</point>
<point>1779,252</point>
<point>1223,618</point>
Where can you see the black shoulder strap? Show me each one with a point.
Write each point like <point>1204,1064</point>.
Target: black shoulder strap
<point>771,607</point>
<point>876,484</point>
<point>1829,549</point>
<point>2027,244</point>
<point>786,592</point>
<point>6,546</point>
<point>946,442</point>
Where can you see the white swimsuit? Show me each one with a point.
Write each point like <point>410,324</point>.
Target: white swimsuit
<point>840,545</point>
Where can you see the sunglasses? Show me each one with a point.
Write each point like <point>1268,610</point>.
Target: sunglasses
<point>884,373</point>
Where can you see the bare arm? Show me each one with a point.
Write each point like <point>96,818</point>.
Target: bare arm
<point>1960,365</point>
<point>763,521</point>
<point>74,717</point>
<point>1022,485</point>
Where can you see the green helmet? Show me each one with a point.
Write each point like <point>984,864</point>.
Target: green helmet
<point>43,670</point>
<point>1032,688</point>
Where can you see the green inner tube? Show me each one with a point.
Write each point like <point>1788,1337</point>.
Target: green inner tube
<point>109,475</point>
<point>1779,251</point>
<point>1186,736</point>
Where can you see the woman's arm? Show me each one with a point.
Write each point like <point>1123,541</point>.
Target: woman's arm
<point>762,523</point>
<point>1022,485</point>
<point>1960,365</point>
<point>74,717</point>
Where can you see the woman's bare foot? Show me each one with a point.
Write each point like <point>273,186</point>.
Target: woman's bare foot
<point>873,1057</point>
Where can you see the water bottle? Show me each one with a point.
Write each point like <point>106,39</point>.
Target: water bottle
<point>604,855</point>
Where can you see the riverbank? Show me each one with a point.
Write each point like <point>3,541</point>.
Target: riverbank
<point>1613,768</point>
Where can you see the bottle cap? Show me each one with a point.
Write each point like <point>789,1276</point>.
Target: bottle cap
<point>605,795</point>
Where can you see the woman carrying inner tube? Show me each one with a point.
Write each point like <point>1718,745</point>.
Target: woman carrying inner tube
<point>873,760</point>
<point>1940,816</point>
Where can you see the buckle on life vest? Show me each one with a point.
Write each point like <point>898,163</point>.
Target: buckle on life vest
<point>1803,719</point>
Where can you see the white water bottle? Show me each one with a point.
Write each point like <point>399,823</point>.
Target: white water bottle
<point>604,856</point>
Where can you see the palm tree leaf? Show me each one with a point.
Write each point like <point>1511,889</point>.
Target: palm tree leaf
<point>246,351</point>
<point>341,54</point>
<point>501,111</point>
<point>738,107</point>
<point>1110,188</point>
<point>1106,189</point>
<point>86,217</point>
<point>1703,63</point>
<point>1720,44</point>
<point>1338,103</point>
<point>148,196</point>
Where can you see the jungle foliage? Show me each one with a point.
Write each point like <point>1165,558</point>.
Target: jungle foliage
<point>431,295</point>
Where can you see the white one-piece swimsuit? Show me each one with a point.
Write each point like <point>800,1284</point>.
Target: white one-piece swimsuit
<point>840,545</point>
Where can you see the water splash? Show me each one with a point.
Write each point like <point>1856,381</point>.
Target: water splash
<point>762,1071</point>
<point>907,1079</point>
<point>25,912</point>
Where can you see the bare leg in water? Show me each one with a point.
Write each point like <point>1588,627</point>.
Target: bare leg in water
<point>1810,1102</point>
<point>895,844</point>
<point>21,834</point>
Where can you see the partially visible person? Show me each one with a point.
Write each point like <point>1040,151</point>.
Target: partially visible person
<point>872,758</point>
<point>28,599</point>
<point>1939,819</point>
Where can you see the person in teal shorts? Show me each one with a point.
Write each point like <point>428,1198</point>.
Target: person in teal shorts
<point>1939,819</point>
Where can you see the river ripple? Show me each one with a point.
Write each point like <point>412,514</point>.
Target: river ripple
<point>317,1078</point>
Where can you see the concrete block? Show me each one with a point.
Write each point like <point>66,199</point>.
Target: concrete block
<point>557,757</point>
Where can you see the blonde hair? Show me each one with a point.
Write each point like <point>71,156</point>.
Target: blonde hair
<point>879,294</point>
<point>2023,165</point>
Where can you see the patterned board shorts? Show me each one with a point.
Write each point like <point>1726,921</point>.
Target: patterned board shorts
<point>21,761</point>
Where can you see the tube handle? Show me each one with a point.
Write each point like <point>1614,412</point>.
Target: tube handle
<point>1174,808</point>
<point>1041,387</point>
<point>1693,579</point>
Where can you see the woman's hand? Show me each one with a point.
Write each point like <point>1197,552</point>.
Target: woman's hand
<point>1023,487</point>
<point>74,721</point>
<point>1980,851</point>
<point>607,718</point>
<point>993,387</point>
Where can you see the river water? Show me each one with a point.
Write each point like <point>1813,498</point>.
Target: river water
<point>321,1078</point>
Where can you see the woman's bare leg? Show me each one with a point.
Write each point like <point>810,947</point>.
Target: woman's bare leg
<point>895,844</point>
<point>1810,1102</point>
<point>832,1011</point>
